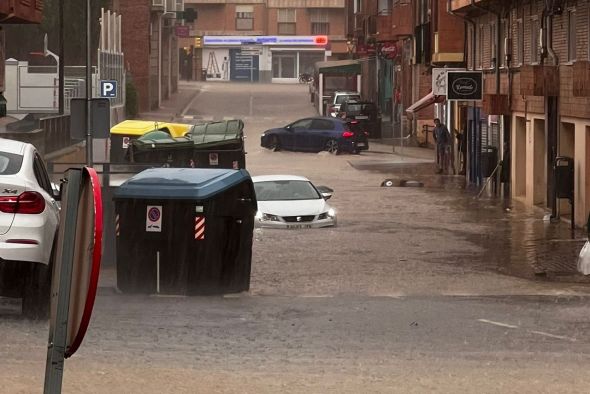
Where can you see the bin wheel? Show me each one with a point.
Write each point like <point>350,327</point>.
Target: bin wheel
<point>331,146</point>
<point>274,144</point>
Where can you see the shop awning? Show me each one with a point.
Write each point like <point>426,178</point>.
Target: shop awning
<point>339,67</point>
<point>424,102</point>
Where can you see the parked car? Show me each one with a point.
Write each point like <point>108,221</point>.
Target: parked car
<point>338,98</point>
<point>29,217</point>
<point>317,134</point>
<point>365,113</point>
<point>292,202</point>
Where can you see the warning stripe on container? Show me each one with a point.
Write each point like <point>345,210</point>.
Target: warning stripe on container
<point>117,228</point>
<point>200,227</point>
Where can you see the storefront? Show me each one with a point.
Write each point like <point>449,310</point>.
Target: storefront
<point>280,59</point>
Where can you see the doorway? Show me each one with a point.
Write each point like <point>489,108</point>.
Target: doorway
<point>539,164</point>
<point>284,65</point>
<point>520,157</point>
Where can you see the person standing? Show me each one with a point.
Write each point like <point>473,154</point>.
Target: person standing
<point>442,137</point>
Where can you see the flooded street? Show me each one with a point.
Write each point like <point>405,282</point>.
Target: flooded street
<point>417,289</point>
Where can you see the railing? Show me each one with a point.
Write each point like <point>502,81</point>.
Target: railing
<point>49,135</point>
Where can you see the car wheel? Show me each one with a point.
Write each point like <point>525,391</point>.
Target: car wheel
<point>331,146</point>
<point>36,292</point>
<point>274,143</point>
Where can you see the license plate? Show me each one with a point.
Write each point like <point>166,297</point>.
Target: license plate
<point>362,117</point>
<point>297,226</point>
<point>360,144</point>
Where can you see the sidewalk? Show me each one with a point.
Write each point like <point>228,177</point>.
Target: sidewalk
<point>172,110</point>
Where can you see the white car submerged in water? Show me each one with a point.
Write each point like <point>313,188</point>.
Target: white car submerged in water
<point>292,202</point>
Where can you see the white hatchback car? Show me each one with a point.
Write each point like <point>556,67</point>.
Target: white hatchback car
<point>29,217</point>
<point>292,202</point>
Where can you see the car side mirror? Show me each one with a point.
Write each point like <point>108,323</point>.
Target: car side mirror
<point>56,191</point>
<point>326,192</point>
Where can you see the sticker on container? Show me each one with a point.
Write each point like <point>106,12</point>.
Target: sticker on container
<point>235,165</point>
<point>199,228</point>
<point>153,219</point>
<point>213,159</point>
<point>199,209</point>
<point>125,142</point>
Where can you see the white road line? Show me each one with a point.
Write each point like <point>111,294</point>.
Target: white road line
<point>495,323</point>
<point>546,334</point>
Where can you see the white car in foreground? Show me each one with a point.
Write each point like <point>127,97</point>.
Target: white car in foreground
<point>292,202</point>
<point>29,217</point>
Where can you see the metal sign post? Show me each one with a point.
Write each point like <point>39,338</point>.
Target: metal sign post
<point>58,336</point>
<point>88,85</point>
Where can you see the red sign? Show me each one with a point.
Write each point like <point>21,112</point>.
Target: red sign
<point>82,296</point>
<point>182,31</point>
<point>389,50</point>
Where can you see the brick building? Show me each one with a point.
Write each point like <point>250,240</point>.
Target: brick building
<point>150,46</point>
<point>289,35</point>
<point>535,59</point>
<point>398,43</point>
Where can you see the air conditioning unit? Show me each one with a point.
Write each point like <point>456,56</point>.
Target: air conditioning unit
<point>158,3</point>
<point>170,11</point>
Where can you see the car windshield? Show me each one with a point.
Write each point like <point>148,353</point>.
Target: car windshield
<point>10,163</point>
<point>345,97</point>
<point>285,190</point>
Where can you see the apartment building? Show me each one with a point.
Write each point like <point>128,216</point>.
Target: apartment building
<point>151,47</point>
<point>536,107</point>
<point>398,43</point>
<point>264,40</point>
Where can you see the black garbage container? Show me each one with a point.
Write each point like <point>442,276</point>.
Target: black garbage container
<point>185,231</point>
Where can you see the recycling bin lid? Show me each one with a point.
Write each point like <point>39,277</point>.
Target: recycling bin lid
<point>180,183</point>
<point>140,127</point>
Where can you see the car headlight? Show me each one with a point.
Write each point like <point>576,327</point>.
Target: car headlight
<point>331,213</point>
<point>266,217</point>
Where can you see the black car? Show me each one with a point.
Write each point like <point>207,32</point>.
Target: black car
<point>365,113</point>
<point>317,134</point>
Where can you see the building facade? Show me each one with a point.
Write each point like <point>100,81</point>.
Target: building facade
<point>263,40</point>
<point>399,42</point>
<point>535,57</point>
<point>150,46</point>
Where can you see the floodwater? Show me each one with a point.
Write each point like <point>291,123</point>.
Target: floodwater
<point>518,241</point>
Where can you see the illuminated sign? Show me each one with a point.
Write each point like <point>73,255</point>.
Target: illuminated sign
<point>265,40</point>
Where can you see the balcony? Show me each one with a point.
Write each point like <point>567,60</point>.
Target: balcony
<point>539,80</point>
<point>21,11</point>
<point>402,20</point>
<point>448,50</point>
<point>458,5</point>
<point>496,104</point>
<point>581,79</point>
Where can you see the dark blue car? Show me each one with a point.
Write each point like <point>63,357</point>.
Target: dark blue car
<point>317,134</point>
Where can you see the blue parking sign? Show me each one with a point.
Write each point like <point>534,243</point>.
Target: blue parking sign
<point>108,89</point>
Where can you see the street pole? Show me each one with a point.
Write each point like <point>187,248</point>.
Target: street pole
<point>61,64</point>
<point>88,86</point>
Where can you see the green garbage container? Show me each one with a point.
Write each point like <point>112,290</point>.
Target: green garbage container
<point>185,231</point>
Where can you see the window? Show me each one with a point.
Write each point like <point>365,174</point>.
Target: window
<point>41,174</point>
<point>322,124</point>
<point>10,163</point>
<point>519,42</point>
<point>503,41</point>
<point>244,17</point>
<point>571,35</point>
<point>535,40</point>
<point>493,49</point>
<point>480,40</point>
<point>320,23</point>
<point>286,18</point>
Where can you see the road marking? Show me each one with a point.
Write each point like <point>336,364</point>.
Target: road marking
<point>546,334</point>
<point>228,118</point>
<point>495,323</point>
<point>190,103</point>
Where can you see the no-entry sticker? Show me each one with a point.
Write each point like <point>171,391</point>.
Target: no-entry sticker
<point>153,219</point>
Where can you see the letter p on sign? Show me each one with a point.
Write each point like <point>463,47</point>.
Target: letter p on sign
<point>108,89</point>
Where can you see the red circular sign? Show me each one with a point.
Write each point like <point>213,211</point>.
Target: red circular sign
<point>87,296</point>
<point>389,50</point>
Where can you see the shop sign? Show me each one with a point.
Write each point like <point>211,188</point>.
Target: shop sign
<point>182,31</point>
<point>389,50</point>
<point>265,40</point>
<point>464,85</point>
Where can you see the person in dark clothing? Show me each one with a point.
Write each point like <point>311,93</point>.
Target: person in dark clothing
<point>442,137</point>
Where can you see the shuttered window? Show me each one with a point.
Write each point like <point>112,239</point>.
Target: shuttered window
<point>320,22</point>
<point>286,18</point>
<point>244,17</point>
